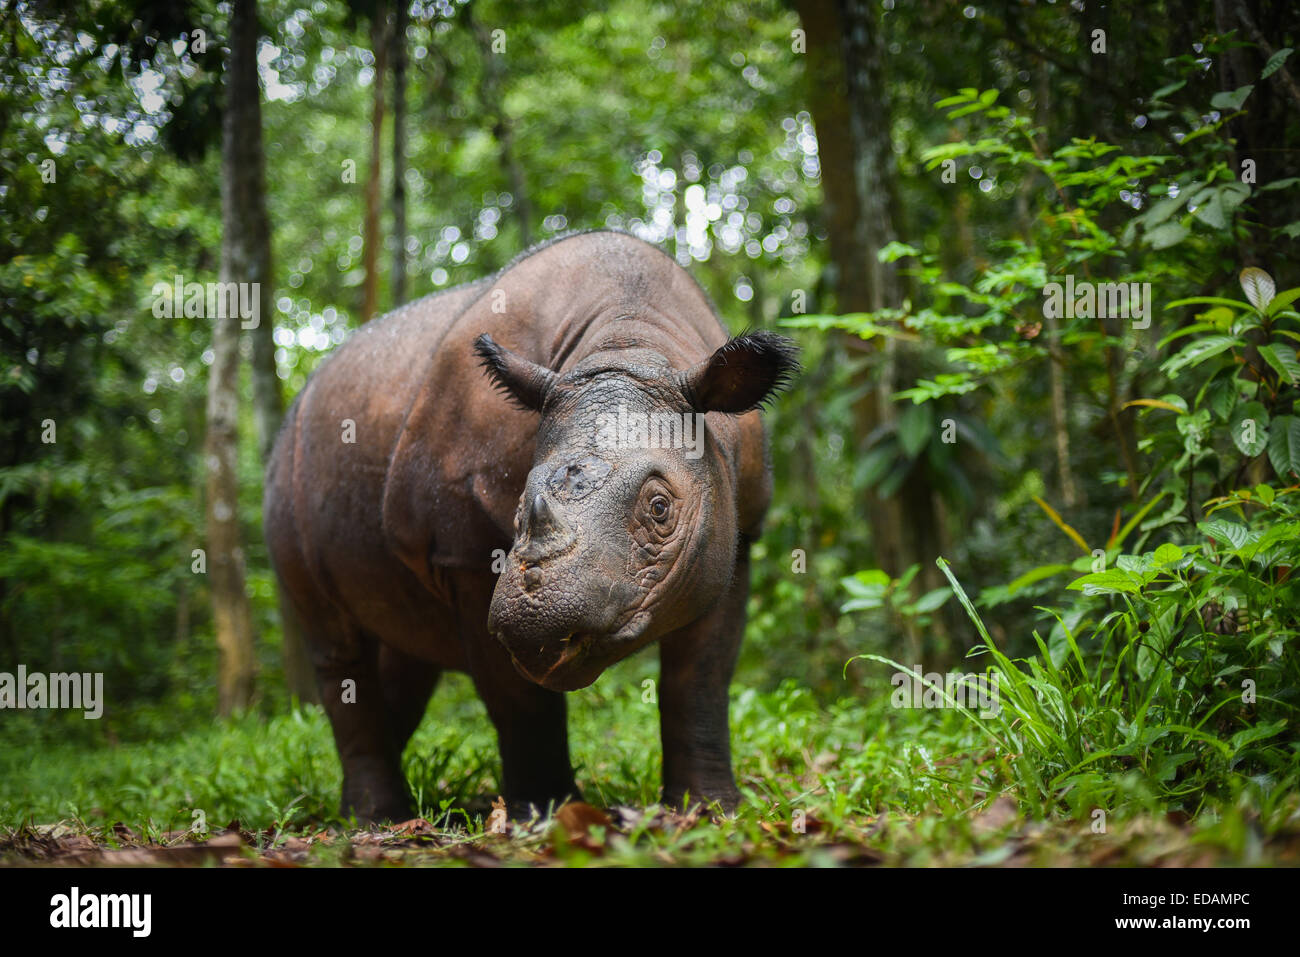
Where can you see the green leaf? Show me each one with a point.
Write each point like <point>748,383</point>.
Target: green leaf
<point>1222,396</point>
<point>1285,532</point>
<point>1035,575</point>
<point>1210,212</point>
<point>1164,769</point>
<point>1162,237</point>
<point>964,95</point>
<point>1137,564</point>
<point>875,465</point>
<point>1275,62</point>
<point>1111,582</point>
<point>1249,428</point>
<point>1283,359</point>
<point>1233,195</point>
<point>869,577</point>
<point>1132,523</point>
<point>1163,209</point>
<point>1229,533</point>
<point>1258,285</point>
<point>915,429</point>
<point>1257,733</point>
<point>867,590</point>
<point>1209,301</point>
<point>861,604</point>
<point>1191,330</point>
<point>1231,100</point>
<point>1284,445</point>
<point>892,482</point>
<point>1197,352</point>
<point>1282,300</point>
<point>931,600</point>
<point>894,251</point>
<point>1167,554</point>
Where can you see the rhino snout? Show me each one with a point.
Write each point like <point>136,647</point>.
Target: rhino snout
<point>558,619</point>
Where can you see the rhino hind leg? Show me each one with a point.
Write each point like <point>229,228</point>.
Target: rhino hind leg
<point>352,691</point>
<point>408,683</point>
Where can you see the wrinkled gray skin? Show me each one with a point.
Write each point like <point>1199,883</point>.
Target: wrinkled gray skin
<point>477,444</point>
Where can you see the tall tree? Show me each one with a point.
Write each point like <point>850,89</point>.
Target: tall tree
<point>244,259</point>
<point>254,238</point>
<point>379,45</point>
<point>850,108</point>
<point>400,18</point>
<point>491,45</point>
<point>268,399</point>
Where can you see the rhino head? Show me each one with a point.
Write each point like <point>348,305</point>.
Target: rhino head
<point>627,527</point>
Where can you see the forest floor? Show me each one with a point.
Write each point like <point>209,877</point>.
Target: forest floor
<point>849,784</point>
<point>581,835</point>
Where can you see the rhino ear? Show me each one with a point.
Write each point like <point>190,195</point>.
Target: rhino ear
<point>525,383</point>
<point>743,374</point>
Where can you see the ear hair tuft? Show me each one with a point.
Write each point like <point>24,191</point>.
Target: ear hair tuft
<point>745,373</point>
<point>524,383</point>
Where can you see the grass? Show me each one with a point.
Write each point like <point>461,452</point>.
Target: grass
<point>853,781</point>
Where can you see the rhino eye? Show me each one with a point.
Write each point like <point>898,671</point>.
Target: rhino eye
<point>659,508</point>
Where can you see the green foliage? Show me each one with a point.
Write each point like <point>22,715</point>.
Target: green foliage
<point>872,590</point>
<point>1165,678</point>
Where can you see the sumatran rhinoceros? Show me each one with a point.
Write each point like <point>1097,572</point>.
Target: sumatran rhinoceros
<point>508,479</point>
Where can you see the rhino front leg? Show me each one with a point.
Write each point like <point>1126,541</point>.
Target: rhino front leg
<point>531,722</point>
<point>533,737</point>
<point>696,664</point>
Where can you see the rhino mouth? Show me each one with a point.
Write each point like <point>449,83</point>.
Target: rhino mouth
<point>560,671</point>
<point>578,659</point>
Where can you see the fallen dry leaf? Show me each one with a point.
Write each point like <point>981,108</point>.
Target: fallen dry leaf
<point>188,855</point>
<point>576,820</point>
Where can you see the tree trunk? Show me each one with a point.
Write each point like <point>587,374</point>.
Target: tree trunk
<point>254,226</point>
<point>850,109</point>
<point>492,100</point>
<point>1056,361</point>
<point>873,155</point>
<point>379,44</point>
<point>241,258</point>
<point>849,279</point>
<point>399,152</point>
